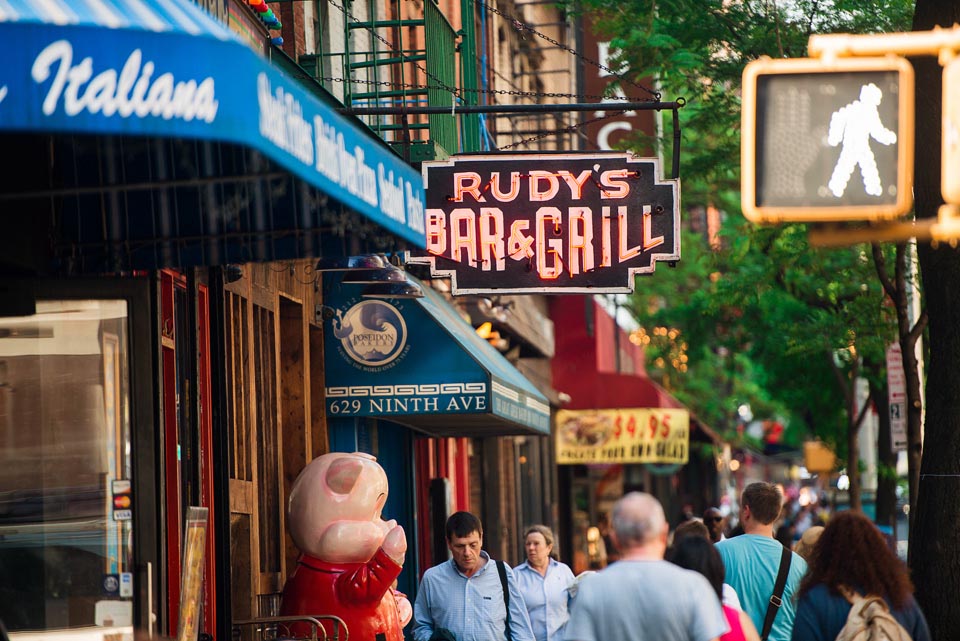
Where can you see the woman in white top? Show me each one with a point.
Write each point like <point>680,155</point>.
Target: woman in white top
<point>543,582</point>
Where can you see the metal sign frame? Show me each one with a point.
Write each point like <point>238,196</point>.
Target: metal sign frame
<point>812,213</point>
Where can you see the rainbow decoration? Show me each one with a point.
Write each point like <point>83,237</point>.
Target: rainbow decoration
<point>266,14</point>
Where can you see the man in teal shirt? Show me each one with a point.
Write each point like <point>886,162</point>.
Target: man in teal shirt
<point>752,560</point>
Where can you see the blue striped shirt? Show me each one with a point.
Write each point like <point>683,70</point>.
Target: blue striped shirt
<point>547,598</point>
<point>472,608</point>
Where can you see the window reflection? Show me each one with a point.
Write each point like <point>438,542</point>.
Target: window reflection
<point>65,501</point>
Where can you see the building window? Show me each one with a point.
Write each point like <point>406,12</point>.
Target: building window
<point>66,528</point>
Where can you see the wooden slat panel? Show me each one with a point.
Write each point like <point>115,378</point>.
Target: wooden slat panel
<point>270,583</point>
<point>232,381</point>
<point>319,442</point>
<point>237,376</point>
<point>276,412</point>
<point>268,480</point>
<point>252,403</point>
<point>241,572</point>
<point>293,411</point>
<point>241,496</point>
<point>263,298</point>
<point>246,402</point>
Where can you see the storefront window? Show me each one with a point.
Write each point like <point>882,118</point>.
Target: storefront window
<point>65,471</point>
<point>594,491</point>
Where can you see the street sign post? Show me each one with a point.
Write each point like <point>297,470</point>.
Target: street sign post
<point>897,398</point>
<point>827,140</point>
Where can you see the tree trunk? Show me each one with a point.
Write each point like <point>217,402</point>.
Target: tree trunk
<point>908,336</point>
<point>934,545</point>
<point>853,459</point>
<point>887,459</point>
<point>847,381</point>
<point>911,371</point>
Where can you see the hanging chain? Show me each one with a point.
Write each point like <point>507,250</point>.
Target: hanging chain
<point>342,7</point>
<point>565,130</point>
<point>501,92</point>
<point>521,27</point>
<point>457,93</point>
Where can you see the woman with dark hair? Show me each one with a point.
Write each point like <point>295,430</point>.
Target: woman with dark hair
<point>696,527</point>
<point>697,553</point>
<point>852,553</point>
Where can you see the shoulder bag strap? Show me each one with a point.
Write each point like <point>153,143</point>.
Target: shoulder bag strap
<point>776,599</point>
<point>506,595</point>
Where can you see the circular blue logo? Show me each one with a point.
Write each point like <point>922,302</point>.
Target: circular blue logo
<point>372,332</point>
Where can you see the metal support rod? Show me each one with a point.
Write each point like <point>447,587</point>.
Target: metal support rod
<point>540,72</point>
<point>879,44</point>
<point>675,168</point>
<point>142,186</point>
<point>515,109</point>
<point>828,235</point>
<point>945,228</point>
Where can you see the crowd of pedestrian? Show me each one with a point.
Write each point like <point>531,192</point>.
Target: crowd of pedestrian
<point>697,583</point>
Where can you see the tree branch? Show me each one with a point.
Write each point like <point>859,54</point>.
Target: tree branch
<point>841,381</point>
<point>776,15</point>
<point>813,12</point>
<point>863,410</point>
<point>918,327</point>
<point>881,267</point>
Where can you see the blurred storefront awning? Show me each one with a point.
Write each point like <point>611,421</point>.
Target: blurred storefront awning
<point>147,134</point>
<point>418,362</point>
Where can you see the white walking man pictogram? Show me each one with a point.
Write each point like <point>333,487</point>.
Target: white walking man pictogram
<point>854,125</point>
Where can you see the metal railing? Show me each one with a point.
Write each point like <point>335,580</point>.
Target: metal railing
<point>397,62</point>
<point>442,67</point>
<point>320,627</point>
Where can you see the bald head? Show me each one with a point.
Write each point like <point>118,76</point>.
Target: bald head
<point>638,520</point>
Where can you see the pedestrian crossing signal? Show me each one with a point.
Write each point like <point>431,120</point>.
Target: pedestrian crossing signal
<point>826,141</point>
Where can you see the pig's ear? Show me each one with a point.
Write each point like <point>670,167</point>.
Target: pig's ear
<point>342,474</point>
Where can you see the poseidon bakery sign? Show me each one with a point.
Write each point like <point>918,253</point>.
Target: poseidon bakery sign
<point>564,223</point>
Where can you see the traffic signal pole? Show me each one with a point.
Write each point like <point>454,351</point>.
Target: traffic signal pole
<point>942,42</point>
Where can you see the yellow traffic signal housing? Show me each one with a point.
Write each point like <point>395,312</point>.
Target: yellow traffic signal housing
<point>950,134</point>
<point>827,140</point>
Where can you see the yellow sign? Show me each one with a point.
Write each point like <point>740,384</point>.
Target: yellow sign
<point>191,577</point>
<point>818,458</point>
<point>630,435</point>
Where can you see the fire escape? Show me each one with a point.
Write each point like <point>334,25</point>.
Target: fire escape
<point>540,64</point>
<point>401,54</point>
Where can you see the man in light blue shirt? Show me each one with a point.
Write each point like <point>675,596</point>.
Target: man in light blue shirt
<point>641,597</point>
<point>465,595</point>
<point>544,583</point>
<point>752,560</point>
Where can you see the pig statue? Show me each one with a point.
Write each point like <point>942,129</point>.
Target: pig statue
<point>350,556</point>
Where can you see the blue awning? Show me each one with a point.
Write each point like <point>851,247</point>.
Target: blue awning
<point>164,68</point>
<point>418,362</point>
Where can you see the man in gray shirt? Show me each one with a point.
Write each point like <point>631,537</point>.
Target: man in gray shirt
<point>641,597</point>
